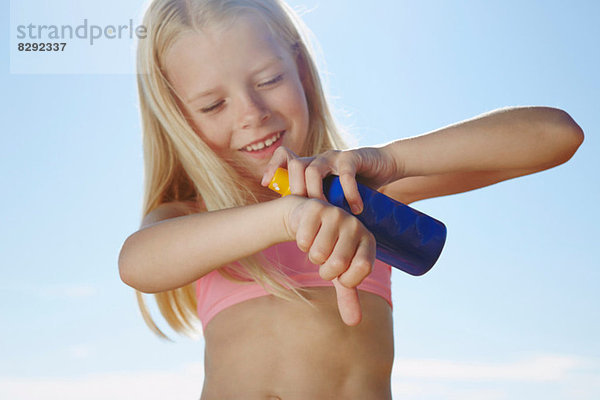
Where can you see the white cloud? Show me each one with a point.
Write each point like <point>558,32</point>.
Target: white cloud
<point>551,377</point>
<point>184,384</point>
<point>541,368</point>
<point>548,376</point>
<point>447,391</point>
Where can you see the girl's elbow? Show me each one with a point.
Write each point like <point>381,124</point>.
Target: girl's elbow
<point>132,279</point>
<point>128,271</point>
<point>574,137</point>
<point>126,268</point>
<point>567,135</point>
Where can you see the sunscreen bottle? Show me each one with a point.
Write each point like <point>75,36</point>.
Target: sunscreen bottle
<point>406,238</point>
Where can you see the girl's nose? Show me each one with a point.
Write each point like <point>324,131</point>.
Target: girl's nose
<point>254,111</point>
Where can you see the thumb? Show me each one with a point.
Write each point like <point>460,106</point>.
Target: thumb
<point>348,303</point>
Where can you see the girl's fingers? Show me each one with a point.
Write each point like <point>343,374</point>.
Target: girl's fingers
<point>361,265</point>
<point>350,188</point>
<point>348,304</point>
<point>323,244</point>
<point>306,174</point>
<point>280,158</point>
<point>307,228</point>
<point>340,258</point>
<point>314,174</point>
<point>343,164</point>
<point>347,293</point>
<point>348,164</point>
<point>296,167</point>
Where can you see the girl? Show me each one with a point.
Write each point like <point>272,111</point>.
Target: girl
<point>292,302</point>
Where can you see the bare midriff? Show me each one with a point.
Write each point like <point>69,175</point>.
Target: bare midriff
<point>267,349</point>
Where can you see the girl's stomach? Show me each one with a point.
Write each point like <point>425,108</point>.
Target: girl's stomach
<point>268,348</point>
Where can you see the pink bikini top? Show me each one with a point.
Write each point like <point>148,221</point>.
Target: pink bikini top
<point>214,293</point>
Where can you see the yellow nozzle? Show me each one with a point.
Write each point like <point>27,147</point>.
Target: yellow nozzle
<point>280,182</point>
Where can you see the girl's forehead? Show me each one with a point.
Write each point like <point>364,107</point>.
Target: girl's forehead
<point>200,57</point>
<point>245,35</point>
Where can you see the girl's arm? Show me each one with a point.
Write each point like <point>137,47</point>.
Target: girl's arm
<point>172,249</point>
<point>481,151</point>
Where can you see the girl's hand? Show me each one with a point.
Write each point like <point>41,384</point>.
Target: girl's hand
<point>375,167</point>
<point>336,241</point>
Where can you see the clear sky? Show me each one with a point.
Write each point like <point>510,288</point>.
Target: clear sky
<point>510,311</point>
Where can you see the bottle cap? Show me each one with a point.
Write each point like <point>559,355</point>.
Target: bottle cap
<point>280,182</point>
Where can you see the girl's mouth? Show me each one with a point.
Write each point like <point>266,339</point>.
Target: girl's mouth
<point>266,147</point>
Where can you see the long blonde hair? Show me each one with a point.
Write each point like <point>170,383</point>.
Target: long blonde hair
<point>179,166</point>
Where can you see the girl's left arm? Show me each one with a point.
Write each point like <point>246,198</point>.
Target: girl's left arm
<point>487,149</point>
<point>481,151</point>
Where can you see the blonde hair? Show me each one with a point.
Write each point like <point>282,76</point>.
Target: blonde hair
<point>179,166</point>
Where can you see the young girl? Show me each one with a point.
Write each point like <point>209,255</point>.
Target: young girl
<point>292,302</point>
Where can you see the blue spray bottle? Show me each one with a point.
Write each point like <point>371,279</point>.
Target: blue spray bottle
<point>406,238</point>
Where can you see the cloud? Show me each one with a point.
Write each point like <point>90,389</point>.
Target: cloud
<point>541,368</point>
<point>184,384</point>
<point>547,376</point>
<point>551,377</point>
<point>445,391</point>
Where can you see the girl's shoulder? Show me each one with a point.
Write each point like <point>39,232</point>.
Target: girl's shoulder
<point>170,210</point>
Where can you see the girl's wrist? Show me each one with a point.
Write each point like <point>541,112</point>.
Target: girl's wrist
<point>393,154</point>
<point>285,206</point>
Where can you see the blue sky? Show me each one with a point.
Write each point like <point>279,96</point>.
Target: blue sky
<point>511,309</point>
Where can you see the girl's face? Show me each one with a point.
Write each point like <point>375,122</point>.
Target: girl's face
<point>241,90</point>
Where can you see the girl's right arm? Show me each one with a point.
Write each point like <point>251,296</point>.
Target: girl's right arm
<point>180,249</point>
<point>173,249</point>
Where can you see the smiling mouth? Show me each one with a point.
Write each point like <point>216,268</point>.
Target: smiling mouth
<point>264,144</point>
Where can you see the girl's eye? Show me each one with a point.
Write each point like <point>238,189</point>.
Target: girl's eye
<point>272,81</point>
<point>212,107</point>
<point>218,104</point>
